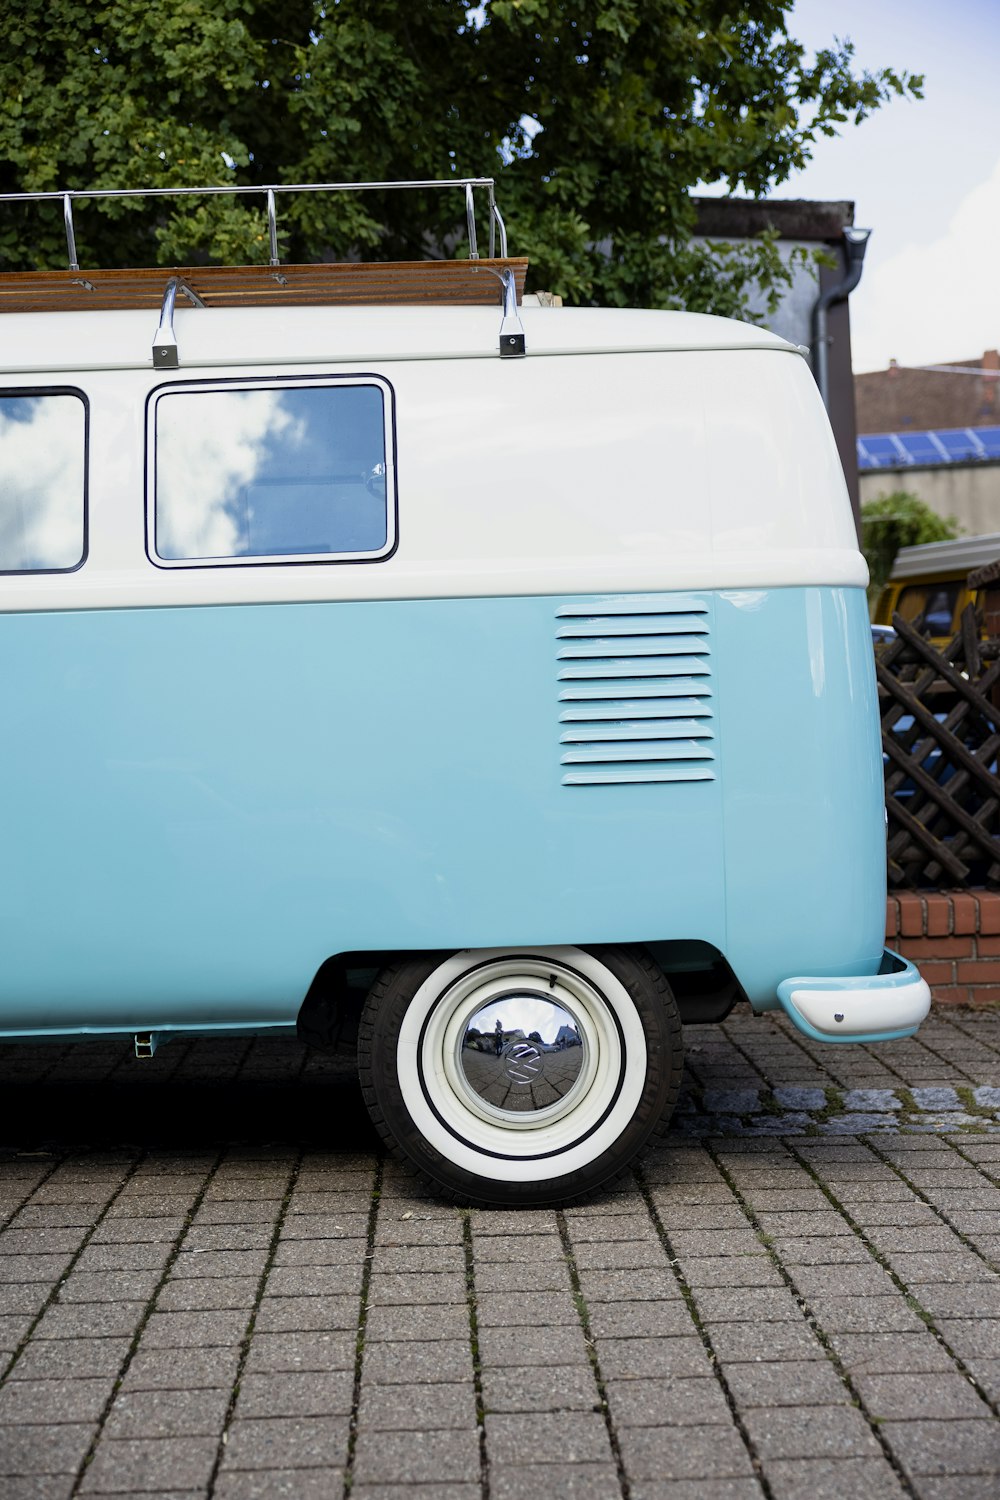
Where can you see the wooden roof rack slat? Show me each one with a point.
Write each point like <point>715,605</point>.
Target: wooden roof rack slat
<point>469,282</point>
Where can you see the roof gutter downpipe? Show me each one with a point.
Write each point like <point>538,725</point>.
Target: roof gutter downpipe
<point>857,243</point>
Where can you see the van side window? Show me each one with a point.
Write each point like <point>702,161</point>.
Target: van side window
<point>272,473</point>
<point>931,606</point>
<point>43,481</point>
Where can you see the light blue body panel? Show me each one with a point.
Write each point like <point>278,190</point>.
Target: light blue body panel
<point>200,805</point>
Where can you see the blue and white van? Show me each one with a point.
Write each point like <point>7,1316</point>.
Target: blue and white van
<point>504,711</point>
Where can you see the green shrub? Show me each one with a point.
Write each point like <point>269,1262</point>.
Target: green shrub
<point>893,521</point>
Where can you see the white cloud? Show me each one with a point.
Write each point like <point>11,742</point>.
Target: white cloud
<point>210,447</point>
<point>41,482</point>
<point>936,301</point>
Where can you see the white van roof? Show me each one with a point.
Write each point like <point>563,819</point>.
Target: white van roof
<point>361,335</point>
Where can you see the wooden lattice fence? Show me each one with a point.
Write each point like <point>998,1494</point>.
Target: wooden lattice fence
<point>941,741</point>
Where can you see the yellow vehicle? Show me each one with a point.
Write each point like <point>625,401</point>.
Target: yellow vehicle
<point>928,587</point>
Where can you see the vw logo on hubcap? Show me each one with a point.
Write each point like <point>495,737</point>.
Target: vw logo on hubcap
<point>522,1063</point>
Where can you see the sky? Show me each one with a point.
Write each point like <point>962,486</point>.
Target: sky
<point>924,176</point>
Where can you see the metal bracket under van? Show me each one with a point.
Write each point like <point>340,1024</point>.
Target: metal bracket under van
<point>473,280</point>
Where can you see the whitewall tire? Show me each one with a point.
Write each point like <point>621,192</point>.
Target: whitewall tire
<point>521,1076</point>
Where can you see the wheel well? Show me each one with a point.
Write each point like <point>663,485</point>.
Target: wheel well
<point>328,1016</point>
<point>702,981</point>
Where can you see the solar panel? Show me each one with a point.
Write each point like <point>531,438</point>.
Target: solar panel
<point>921,447</point>
<point>990,439</point>
<point>944,445</point>
<point>960,445</point>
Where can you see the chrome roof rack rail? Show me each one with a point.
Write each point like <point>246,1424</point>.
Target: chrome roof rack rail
<point>165,345</point>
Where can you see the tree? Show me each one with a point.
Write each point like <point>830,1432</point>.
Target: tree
<point>598,119</point>
<point>898,520</point>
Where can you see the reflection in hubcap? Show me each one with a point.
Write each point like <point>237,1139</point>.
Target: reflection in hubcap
<point>522,1052</point>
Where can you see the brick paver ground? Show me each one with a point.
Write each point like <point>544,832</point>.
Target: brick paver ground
<point>213,1284</point>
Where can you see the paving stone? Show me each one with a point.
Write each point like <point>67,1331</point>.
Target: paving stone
<point>286,1443</point>
<point>53,1401</point>
<point>529,1346</point>
<point>109,1286</point>
<point>834,1479</point>
<point>274,1352</point>
<point>390,1232</point>
<point>418,1259</point>
<point>598,1255</point>
<point>533,1388</point>
<point>228,1263</point>
<point>66,1359</point>
<point>936,1098</point>
<point>696,1489</point>
<point>314,1281</point>
<point>298,1394</point>
<point>181,1369</point>
<point>958,1447</point>
<point>639,1319</point>
<point>635,1359</point>
<point>510,1280</point>
<point>123,1257</point>
<point>890,1353</point>
<point>136,1467</point>
<point>857,1122</point>
<point>37,1487</point>
<point>277,1484</point>
<point>799,1097</point>
<point>209,1294</point>
<point>809,1432</point>
<point>426,1408</point>
<point>915,1398</point>
<point>742,1342</point>
<point>426,1323</point>
<point>694,1402</point>
<point>865,1314</point>
<point>167,1414</point>
<point>580,1437</point>
<point>322,1253</point>
<point>802,1383</point>
<point>417,1457</point>
<point>769,1304</point>
<point>653,1284</point>
<point>539,1309</point>
<point>706,1453</point>
<point>731,1101</point>
<point>517,1249</point>
<point>413,1362</point>
<point>180,1330</point>
<point>575,1482</point>
<point>43,1450</point>
<point>987,1096</point>
<point>727,1242</point>
<point>878,1100</point>
<point>969,1336</point>
<point>621,1228</point>
<point>161,1230</point>
<point>820,1250</point>
<point>331,1227</point>
<point>307,1314</point>
<point>89,1320</point>
<point>727,1271</point>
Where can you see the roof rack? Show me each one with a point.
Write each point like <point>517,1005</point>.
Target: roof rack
<point>475,280</point>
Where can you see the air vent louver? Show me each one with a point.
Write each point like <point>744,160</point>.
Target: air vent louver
<point>635,692</point>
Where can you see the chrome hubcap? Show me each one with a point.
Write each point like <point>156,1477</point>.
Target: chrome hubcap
<point>522,1054</point>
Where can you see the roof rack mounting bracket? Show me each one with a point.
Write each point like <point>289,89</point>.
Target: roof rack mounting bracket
<point>165,356</point>
<point>512,345</point>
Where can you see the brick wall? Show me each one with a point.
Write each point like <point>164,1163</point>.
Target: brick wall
<point>954,938</point>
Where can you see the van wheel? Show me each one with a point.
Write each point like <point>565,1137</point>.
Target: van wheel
<point>524,1077</point>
